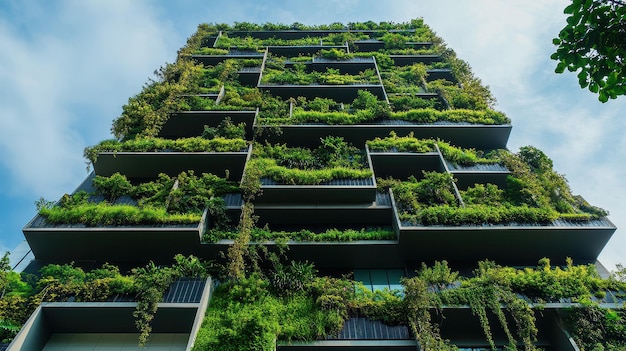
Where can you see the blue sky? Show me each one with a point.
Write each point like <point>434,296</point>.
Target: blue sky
<point>67,67</point>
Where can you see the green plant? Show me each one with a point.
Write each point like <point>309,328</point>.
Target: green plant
<point>334,159</point>
<point>157,201</point>
<point>260,235</point>
<point>226,129</point>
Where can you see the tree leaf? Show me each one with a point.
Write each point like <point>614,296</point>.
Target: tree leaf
<point>570,9</point>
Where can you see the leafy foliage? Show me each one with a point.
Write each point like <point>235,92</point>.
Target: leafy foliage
<point>194,144</point>
<point>158,202</point>
<point>465,157</point>
<point>333,159</point>
<point>535,193</point>
<point>592,44</point>
<point>263,234</point>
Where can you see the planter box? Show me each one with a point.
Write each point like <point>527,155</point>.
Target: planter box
<point>479,174</point>
<point>283,34</point>
<point>212,60</point>
<point>339,93</point>
<point>85,325</point>
<point>408,60</point>
<point>402,165</point>
<point>375,45</point>
<point>292,51</point>
<point>186,124</point>
<point>482,137</point>
<point>249,76</point>
<point>132,243</point>
<point>516,244</point>
<point>354,66</point>
<point>372,214</point>
<point>434,74</point>
<point>337,191</point>
<point>150,164</point>
<point>363,254</point>
<point>77,242</point>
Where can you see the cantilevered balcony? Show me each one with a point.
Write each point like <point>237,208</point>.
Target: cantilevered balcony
<point>150,164</point>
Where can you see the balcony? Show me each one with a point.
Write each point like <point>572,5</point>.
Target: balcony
<point>508,243</point>
<point>377,45</point>
<point>293,181</point>
<point>408,60</point>
<point>461,134</point>
<point>186,124</point>
<point>212,60</point>
<point>100,325</point>
<point>120,230</point>
<point>150,164</point>
<point>352,66</point>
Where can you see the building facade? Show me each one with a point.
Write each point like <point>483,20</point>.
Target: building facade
<point>366,149</point>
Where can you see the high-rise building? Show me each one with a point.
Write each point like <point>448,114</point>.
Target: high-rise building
<point>366,149</point>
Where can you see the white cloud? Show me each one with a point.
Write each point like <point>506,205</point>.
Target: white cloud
<point>76,74</point>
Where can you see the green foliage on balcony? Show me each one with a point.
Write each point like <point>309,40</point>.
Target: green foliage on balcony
<point>333,159</point>
<point>461,156</point>
<point>366,108</point>
<point>176,88</point>
<point>195,144</point>
<point>535,193</point>
<point>406,102</point>
<point>158,201</point>
<point>429,115</point>
<point>290,302</point>
<point>299,76</point>
<point>330,235</point>
<point>58,283</point>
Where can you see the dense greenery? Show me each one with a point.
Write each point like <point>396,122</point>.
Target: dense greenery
<point>333,159</point>
<point>261,235</point>
<point>298,75</point>
<point>176,88</point>
<point>592,43</point>
<point>195,144</point>
<point>366,108</point>
<point>176,85</point>
<point>158,201</point>
<point>291,303</point>
<point>58,283</point>
<point>253,307</point>
<point>535,193</point>
<point>413,31</point>
<point>456,155</point>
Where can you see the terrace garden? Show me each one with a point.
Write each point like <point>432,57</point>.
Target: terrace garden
<point>21,294</point>
<point>333,159</point>
<point>534,193</point>
<point>261,235</point>
<point>455,155</point>
<point>116,201</point>
<point>275,74</point>
<point>226,137</point>
<point>261,298</point>
<point>292,302</point>
<point>367,108</point>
